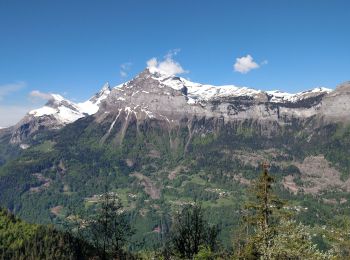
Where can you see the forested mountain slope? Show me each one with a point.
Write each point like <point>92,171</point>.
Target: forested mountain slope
<point>161,142</point>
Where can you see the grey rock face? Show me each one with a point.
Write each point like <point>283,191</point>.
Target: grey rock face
<point>30,125</point>
<point>106,89</point>
<point>152,95</point>
<point>336,105</point>
<point>147,97</point>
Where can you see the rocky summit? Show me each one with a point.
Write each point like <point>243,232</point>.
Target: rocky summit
<point>154,95</point>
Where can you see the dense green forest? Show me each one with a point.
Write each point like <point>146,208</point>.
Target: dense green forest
<point>21,240</point>
<point>268,230</point>
<point>156,173</point>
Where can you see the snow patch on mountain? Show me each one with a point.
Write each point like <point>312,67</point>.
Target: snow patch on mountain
<point>280,97</point>
<point>91,106</point>
<point>62,109</point>
<point>66,111</point>
<point>197,92</point>
<point>45,110</point>
<point>57,97</point>
<point>62,113</point>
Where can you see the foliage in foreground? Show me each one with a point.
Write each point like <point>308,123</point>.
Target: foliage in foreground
<point>108,229</point>
<point>271,234</point>
<point>20,240</point>
<point>191,234</point>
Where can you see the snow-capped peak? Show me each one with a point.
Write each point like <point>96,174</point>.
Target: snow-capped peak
<point>91,106</point>
<point>57,97</point>
<point>62,109</point>
<point>197,92</point>
<point>203,92</point>
<point>106,87</point>
<point>66,111</point>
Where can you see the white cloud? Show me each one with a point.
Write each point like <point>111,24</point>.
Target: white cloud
<point>245,64</point>
<point>124,69</point>
<point>10,115</point>
<point>10,88</point>
<point>40,95</point>
<point>168,65</point>
<point>152,63</point>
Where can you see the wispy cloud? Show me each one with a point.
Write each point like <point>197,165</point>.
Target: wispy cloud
<point>7,89</point>
<point>168,65</point>
<point>152,63</point>
<point>124,69</point>
<point>246,63</point>
<point>41,95</point>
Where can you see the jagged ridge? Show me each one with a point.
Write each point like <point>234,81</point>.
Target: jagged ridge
<point>155,95</point>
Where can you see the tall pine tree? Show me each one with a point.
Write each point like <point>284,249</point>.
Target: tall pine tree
<point>260,217</point>
<point>269,232</point>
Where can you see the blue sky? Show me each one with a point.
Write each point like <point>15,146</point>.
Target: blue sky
<point>74,47</point>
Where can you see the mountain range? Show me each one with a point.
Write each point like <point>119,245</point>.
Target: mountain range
<point>160,141</point>
<point>155,95</point>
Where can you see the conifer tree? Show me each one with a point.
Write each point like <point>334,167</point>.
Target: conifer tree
<point>261,215</point>
<point>110,229</point>
<point>190,232</point>
<point>270,233</point>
